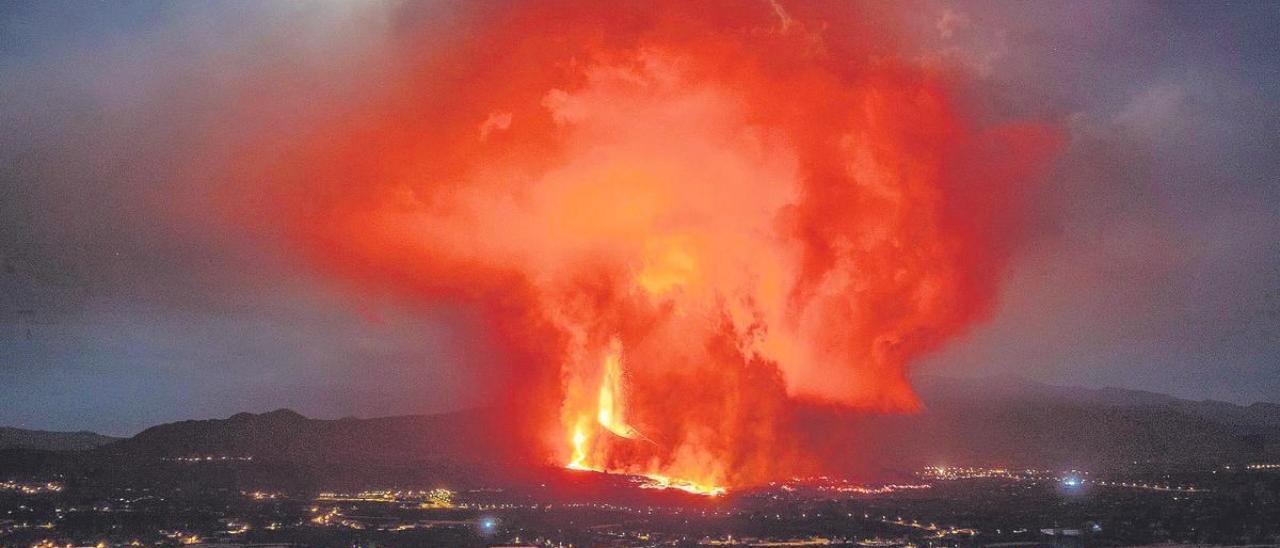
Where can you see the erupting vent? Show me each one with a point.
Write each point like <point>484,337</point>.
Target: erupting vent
<point>675,221</point>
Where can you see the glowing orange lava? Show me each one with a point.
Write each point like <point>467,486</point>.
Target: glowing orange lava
<point>659,481</point>
<point>579,441</point>
<point>610,416</point>
<point>610,411</point>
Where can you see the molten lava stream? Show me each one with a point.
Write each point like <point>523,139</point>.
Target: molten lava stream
<point>610,416</point>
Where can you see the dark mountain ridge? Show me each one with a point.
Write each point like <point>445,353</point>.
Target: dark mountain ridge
<point>1015,389</point>
<point>1011,421</point>
<point>992,422</point>
<point>287,435</point>
<point>18,438</point>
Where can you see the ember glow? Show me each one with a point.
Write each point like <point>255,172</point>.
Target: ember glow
<point>676,221</point>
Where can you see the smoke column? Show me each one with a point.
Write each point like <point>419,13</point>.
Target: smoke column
<point>676,220</point>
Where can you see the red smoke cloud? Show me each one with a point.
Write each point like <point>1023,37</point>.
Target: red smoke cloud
<point>676,219</point>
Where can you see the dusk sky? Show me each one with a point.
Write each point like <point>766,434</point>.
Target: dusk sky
<point>132,294</point>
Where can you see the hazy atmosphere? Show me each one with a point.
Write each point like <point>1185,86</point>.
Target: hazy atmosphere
<point>134,291</point>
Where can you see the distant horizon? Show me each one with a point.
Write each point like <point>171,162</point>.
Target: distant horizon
<point>123,434</point>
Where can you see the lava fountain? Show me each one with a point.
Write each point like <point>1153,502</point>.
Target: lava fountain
<point>674,219</point>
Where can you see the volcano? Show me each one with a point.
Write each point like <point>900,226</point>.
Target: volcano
<point>678,225</point>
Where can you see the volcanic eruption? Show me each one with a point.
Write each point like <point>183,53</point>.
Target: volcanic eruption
<point>676,220</point>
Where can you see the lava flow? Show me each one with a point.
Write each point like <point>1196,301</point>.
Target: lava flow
<point>673,220</point>
<point>610,421</point>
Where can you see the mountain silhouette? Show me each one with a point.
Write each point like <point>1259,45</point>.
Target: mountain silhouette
<point>1004,421</point>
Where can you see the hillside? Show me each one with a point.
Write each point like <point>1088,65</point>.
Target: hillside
<point>1010,421</point>
<point>1001,422</point>
<point>17,438</point>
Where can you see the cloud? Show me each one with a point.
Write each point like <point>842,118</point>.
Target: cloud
<point>120,134</point>
<point>1154,266</point>
<point>123,129</point>
<point>950,21</point>
<point>497,121</point>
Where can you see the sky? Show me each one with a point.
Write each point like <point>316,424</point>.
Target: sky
<point>126,300</point>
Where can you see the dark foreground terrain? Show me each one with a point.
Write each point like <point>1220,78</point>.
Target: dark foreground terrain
<point>1004,463</point>
<point>938,507</point>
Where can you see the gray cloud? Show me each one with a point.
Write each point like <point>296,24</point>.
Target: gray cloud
<point>126,295</point>
<point>1155,263</point>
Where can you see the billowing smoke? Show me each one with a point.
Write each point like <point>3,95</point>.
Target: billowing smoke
<point>676,220</point>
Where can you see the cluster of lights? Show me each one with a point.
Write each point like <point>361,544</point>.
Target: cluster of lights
<point>207,458</point>
<point>438,498</point>
<point>730,541</point>
<point>434,498</point>
<point>31,488</point>
<point>647,510</point>
<point>824,483</point>
<point>932,527</point>
<point>444,498</point>
<point>236,527</point>
<point>949,473</point>
<point>332,516</point>
<point>881,490</point>
<point>1151,486</point>
<point>47,543</point>
<point>324,517</point>
<point>1071,479</point>
<point>1263,466</point>
<point>262,495</point>
<point>182,537</point>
